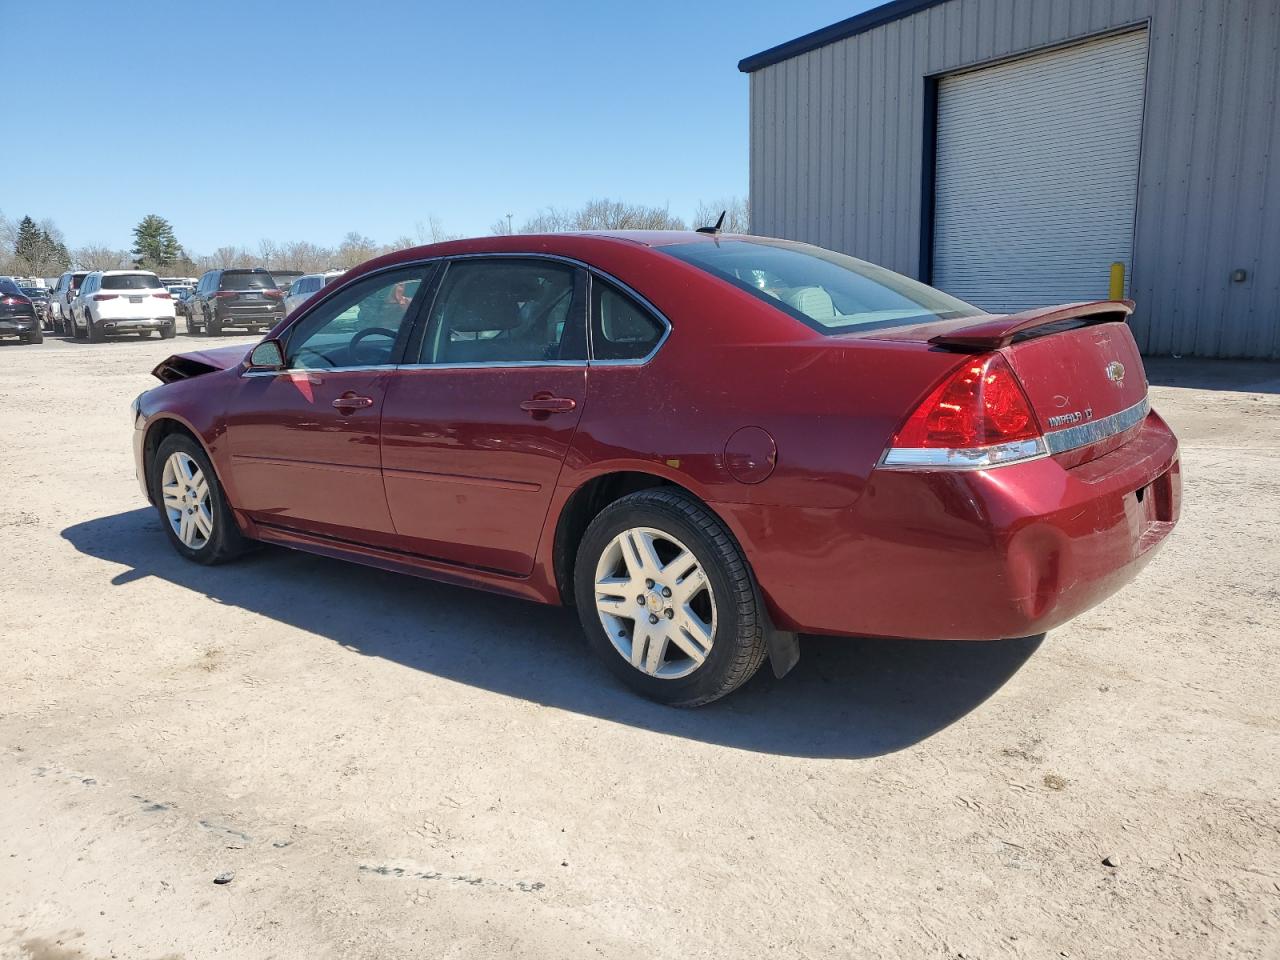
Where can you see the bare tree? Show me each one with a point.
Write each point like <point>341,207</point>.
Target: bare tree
<point>737,214</point>
<point>267,253</point>
<point>304,255</point>
<point>354,249</point>
<point>97,256</point>
<point>433,231</point>
<point>603,214</point>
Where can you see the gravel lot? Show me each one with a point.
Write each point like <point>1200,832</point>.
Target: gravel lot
<point>393,768</point>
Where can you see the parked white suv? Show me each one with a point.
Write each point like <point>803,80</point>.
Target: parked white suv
<point>302,288</point>
<point>122,301</point>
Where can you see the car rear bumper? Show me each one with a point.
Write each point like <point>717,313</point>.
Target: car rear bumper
<point>968,555</point>
<point>128,324</point>
<point>249,316</point>
<point>18,326</point>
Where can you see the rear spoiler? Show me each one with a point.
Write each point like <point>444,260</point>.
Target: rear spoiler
<point>1000,331</point>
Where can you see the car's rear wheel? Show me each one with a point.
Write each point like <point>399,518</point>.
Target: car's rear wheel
<point>214,329</point>
<point>168,333</point>
<point>35,336</point>
<point>192,329</point>
<point>192,507</point>
<point>93,331</point>
<point>143,334</point>
<point>667,599</point>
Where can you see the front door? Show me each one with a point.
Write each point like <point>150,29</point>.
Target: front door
<point>478,421</point>
<point>304,441</point>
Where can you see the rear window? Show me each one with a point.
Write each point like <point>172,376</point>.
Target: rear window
<point>131,281</point>
<point>246,280</point>
<point>828,291</point>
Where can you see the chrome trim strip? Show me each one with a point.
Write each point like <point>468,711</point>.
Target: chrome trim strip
<point>1083,434</point>
<point>320,371</point>
<point>964,458</point>
<point>490,364</point>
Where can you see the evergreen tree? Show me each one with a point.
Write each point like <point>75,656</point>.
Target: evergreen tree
<point>154,245</point>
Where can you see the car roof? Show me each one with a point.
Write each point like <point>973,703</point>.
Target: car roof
<point>125,273</point>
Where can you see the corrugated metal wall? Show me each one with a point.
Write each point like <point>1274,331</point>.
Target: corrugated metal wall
<point>837,150</point>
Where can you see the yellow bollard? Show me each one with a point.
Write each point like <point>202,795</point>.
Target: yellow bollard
<point>1117,281</point>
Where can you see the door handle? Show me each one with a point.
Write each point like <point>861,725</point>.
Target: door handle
<point>349,401</point>
<point>544,404</point>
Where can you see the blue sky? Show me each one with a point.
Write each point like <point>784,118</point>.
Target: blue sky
<point>304,120</point>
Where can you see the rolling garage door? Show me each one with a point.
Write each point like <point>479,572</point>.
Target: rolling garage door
<point>1037,175</point>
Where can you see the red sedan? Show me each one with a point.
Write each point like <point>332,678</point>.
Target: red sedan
<point>706,443</point>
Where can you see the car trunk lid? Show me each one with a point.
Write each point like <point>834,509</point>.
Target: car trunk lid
<point>1078,364</point>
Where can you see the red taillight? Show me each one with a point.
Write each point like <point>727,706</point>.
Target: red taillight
<point>978,417</point>
<point>272,293</point>
<point>163,296</point>
<point>105,296</point>
<point>14,301</point>
<point>225,294</point>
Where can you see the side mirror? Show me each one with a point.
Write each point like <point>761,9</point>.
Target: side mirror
<point>267,356</point>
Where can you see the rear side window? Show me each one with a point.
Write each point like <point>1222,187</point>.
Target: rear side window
<point>77,279</point>
<point>621,329</point>
<point>506,311</point>
<point>246,280</point>
<point>131,281</point>
<point>9,288</point>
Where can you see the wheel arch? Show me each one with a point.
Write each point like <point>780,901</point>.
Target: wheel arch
<point>591,497</point>
<point>164,425</point>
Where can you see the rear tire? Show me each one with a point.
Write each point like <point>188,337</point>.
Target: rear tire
<point>93,332</point>
<point>192,507</point>
<point>675,582</point>
<point>168,333</point>
<point>35,336</point>
<point>214,329</point>
<point>144,334</point>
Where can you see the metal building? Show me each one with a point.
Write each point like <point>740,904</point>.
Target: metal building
<point>1009,151</point>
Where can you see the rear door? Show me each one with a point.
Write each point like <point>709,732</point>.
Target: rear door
<point>304,441</point>
<point>479,419</point>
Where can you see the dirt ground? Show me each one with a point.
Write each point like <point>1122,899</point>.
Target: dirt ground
<point>392,768</point>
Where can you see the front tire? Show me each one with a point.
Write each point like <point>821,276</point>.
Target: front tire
<point>192,507</point>
<point>667,599</point>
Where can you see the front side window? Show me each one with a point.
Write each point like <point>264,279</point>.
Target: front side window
<point>621,329</point>
<point>828,291</point>
<point>497,311</point>
<point>361,326</point>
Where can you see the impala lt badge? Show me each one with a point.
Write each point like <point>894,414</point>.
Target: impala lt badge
<point>1115,372</point>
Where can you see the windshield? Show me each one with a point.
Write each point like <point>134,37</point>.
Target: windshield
<point>828,291</point>
<point>131,281</point>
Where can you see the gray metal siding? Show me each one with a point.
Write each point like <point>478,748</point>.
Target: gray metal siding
<point>837,147</point>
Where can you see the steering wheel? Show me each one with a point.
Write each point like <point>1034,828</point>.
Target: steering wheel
<point>353,348</point>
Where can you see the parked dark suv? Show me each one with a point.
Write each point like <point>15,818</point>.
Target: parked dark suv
<point>17,314</point>
<point>244,298</point>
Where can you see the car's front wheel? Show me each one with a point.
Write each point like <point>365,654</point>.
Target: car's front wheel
<point>192,507</point>
<point>667,599</point>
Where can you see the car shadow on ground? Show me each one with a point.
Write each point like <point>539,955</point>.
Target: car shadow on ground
<point>848,698</point>
<point>1245,376</point>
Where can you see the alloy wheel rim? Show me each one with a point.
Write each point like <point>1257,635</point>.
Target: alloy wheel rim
<point>655,602</point>
<point>185,494</point>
